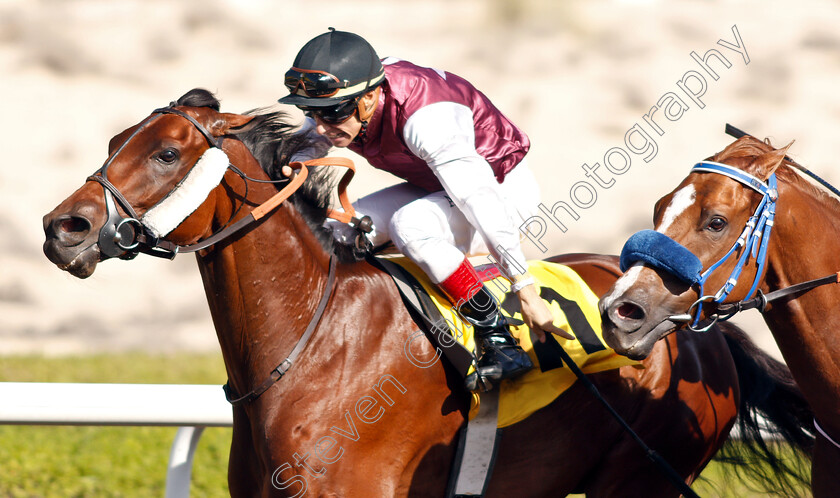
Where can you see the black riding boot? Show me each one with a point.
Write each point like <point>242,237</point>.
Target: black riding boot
<point>499,356</point>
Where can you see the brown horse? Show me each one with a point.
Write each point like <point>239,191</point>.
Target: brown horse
<point>705,215</point>
<point>353,416</point>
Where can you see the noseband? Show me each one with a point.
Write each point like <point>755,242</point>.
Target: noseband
<point>662,252</point>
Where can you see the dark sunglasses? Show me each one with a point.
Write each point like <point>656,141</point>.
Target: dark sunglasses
<point>336,114</point>
<point>314,83</point>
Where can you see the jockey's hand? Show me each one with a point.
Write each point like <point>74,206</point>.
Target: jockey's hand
<point>536,314</point>
<point>288,172</point>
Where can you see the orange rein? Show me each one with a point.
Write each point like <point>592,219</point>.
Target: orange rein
<point>295,183</point>
<point>168,249</point>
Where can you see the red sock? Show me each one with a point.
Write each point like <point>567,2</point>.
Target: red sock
<point>462,285</point>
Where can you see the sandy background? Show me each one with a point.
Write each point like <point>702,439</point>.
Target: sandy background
<point>575,75</point>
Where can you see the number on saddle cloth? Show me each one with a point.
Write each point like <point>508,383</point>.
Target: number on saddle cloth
<point>547,356</point>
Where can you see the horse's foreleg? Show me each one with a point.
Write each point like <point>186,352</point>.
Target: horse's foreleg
<point>825,469</point>
<point>244,479</point>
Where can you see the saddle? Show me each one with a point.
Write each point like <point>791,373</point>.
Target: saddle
<point>572,302</point>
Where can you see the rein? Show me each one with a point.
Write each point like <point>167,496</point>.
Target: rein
<point>650,453</point>
<point>760,300</point>
<point>267,207</point>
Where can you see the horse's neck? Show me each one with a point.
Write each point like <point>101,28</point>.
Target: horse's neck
<point>262,288</point>
<point>802,248</point>
<point>805,227</point>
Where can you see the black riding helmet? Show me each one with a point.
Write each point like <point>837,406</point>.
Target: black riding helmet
<point>332,68</point>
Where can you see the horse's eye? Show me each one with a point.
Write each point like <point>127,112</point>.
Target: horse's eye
<point>168,156</point>
<point>716,224</point>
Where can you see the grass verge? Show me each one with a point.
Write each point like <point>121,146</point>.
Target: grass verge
<point>57,461</point>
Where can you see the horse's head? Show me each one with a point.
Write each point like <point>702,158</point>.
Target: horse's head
<point>700,254</point>
<point>157,182</point>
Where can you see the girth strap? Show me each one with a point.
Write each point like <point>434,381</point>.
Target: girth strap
<point>478,444</point>
<point>825,434</point>
<point>284,366</point>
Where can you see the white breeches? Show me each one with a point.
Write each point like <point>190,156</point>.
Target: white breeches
<point>431,230</point>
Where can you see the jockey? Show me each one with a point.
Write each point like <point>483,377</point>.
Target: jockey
<point>467,186</point>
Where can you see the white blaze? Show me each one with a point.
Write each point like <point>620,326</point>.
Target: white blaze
<point>624,282</point>
<point>681,201</point>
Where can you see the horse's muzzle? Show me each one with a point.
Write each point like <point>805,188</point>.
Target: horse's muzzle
<point>70,241</point>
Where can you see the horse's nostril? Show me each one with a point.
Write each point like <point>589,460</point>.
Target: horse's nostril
<point>630,311</point>
<point>68,230</point>
<point>74,224</point>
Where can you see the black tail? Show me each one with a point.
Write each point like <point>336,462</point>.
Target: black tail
<point>768,392</point>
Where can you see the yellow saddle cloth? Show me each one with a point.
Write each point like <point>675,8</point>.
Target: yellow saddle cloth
<point>575,309</point>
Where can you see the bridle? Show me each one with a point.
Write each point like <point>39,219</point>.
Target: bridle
<point>647,246</point>
<point>125,237</point>
<point>754,240</point>
<point>660,251</point>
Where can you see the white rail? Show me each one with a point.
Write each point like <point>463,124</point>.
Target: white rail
<point>190,407</point>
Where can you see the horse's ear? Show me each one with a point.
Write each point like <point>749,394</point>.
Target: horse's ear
<point>228,124</point>
<point>767,163</point>
<point>656,207</point>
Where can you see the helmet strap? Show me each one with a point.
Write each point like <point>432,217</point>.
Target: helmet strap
<point>360,137</point>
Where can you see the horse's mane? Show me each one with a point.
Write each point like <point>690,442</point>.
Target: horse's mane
<point>273,142</point>
<point>746,146</point>
<point>749,148</point>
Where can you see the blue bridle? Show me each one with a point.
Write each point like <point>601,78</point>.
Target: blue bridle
<point>660,251</point>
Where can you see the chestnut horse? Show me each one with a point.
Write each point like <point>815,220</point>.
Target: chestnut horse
<point>791,238</point>
<point>352,416</point>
